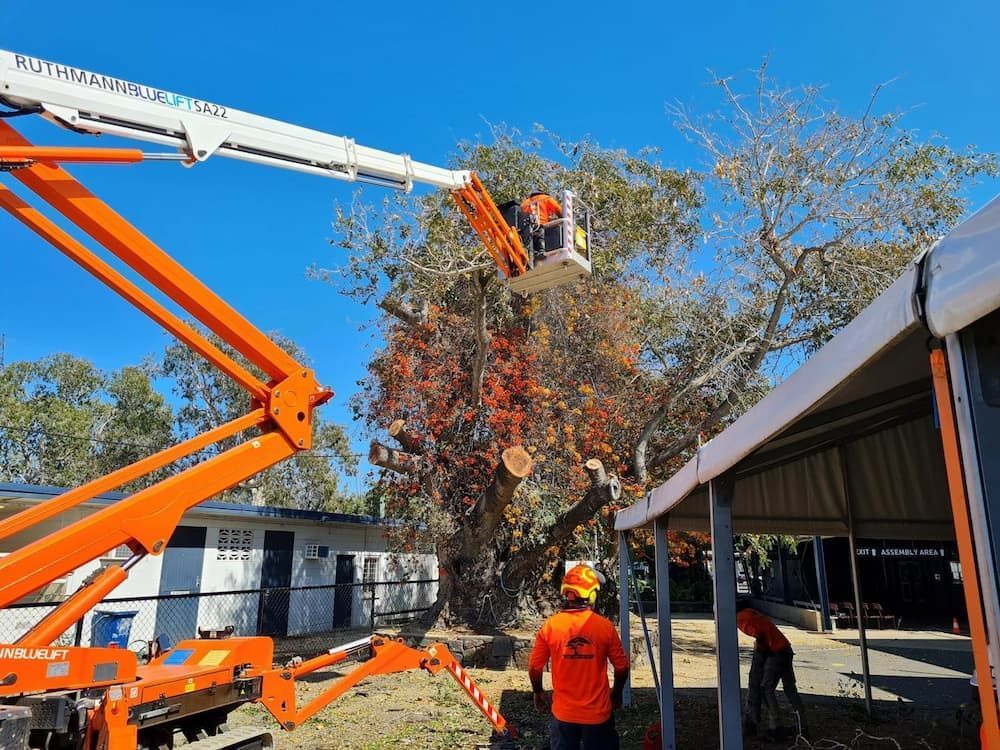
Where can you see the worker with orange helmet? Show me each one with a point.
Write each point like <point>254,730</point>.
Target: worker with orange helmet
<point>579,643</point>
<point>772,663</point>
<point>541,208</point>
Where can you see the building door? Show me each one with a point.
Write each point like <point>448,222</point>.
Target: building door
<point>911,582</point>
<point>180,581</point>
<point>275,580</point>
<point>343,592</point>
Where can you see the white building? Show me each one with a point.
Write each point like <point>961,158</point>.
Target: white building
<point>263,570</point>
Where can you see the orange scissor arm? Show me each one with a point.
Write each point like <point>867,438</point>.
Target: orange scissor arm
<point>501,240</point>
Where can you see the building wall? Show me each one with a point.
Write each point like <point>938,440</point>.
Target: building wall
<point>309,611</point>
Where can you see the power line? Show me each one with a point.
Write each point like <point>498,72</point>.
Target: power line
<point>121,444</point>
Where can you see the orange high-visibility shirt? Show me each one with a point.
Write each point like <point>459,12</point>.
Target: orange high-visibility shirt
<point>769,639</point>
<point>544,206</point>
<point>580,643</point>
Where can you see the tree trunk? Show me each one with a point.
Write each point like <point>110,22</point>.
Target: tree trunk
<point>394,460</point>
<point>466,557</point>
<point>604,489</point>
<point>483,518</point>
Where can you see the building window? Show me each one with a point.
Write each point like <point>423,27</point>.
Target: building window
<point>370,573</point>
<point>317,552</point>
<point>121,552</point>
<point>234,544</point>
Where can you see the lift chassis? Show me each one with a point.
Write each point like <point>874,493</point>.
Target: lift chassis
<point>87,698</point>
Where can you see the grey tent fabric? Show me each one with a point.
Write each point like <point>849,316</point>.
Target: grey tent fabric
<point>896,480</point>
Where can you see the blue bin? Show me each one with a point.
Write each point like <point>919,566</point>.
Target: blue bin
<point>111,628</point>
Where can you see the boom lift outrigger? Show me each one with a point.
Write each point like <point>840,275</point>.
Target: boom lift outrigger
<point>101,698</point>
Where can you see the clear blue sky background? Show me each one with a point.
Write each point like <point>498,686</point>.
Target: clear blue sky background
<point>417,77</point>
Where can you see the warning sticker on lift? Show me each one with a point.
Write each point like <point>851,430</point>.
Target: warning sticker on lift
<point>213,658</point>
<point>178,657</point>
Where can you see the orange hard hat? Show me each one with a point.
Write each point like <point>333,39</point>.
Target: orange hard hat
<point>582,582</point>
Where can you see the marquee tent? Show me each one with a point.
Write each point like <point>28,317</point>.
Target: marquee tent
<point>851,443</point>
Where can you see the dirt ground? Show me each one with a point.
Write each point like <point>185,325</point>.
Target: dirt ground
<point>416,710</point>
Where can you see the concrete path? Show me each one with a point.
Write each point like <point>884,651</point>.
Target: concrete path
<point>931,668</point>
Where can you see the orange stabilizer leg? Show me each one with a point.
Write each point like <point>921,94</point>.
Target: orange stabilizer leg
<point>487,709</point>
<point>388,657</point>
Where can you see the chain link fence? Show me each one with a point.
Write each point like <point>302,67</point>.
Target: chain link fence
<point>303,621</point>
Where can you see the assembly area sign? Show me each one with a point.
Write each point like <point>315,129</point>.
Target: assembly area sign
<point>897,550</point>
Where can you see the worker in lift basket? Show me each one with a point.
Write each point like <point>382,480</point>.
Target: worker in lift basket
<point>772,662</point>
<point>542,208</point>
<point>579,643</point>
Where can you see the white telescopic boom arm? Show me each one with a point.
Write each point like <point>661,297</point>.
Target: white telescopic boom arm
<point>92,103</point>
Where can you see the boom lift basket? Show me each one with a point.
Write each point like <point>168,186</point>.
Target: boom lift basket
<point>566,255</point>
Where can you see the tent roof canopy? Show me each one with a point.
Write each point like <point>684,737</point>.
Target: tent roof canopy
<point>851,432</point>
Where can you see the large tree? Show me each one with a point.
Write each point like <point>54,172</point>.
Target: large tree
<point>508,419</point>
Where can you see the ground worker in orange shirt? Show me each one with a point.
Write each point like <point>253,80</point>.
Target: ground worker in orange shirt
<point>772,662</point>
<point>542,208</point>
<point>579,643</point>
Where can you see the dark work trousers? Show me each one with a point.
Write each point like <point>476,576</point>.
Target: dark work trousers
<point>566,736</point>
<point>766,671</point>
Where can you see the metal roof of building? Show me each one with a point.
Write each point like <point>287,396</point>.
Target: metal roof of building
<point>40,493</point>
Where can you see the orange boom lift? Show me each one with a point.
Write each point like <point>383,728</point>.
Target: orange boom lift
<point>101,698</point>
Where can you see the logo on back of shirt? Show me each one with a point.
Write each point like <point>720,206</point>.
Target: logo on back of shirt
<point>573,646</point>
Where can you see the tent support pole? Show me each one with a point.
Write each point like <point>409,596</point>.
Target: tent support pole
<point>623,609</point>
<point>667,736</point>
<point>972,575</point>
<point>720,491</point>
<point>824,595</point>
<point>858,611</point>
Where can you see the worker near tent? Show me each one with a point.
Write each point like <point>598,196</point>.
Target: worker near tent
<point>542,208</point>
<point>772,663</point>
<point>579,643</point>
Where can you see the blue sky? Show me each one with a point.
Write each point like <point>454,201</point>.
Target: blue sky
<point>417,77</point>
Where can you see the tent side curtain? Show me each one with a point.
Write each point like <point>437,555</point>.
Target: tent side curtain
<point>896,480</point>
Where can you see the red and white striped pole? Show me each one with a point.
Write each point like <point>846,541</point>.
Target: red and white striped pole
<point>479,698</point>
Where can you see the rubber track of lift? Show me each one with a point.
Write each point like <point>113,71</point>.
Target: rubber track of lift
<point>233,737</point>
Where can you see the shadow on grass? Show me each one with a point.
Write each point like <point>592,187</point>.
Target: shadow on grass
<point>842,719</point>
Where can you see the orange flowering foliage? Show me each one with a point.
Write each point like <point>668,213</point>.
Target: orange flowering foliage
<point>561,379</point>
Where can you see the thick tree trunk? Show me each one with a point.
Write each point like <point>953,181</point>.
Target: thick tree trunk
<point>483,518</point>
<point>466,556</point>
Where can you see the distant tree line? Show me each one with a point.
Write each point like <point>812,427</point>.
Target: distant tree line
<point>63,422</point>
